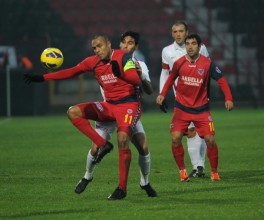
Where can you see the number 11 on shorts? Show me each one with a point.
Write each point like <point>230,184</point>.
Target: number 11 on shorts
<point>128,118</point>
<point>211,125</point>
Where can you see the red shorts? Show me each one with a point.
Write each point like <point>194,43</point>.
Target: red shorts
<point>125,114</point>
<point>203,122</point>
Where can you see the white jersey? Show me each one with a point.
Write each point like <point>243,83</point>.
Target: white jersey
<point>106,129</point>
<point>169,55</point>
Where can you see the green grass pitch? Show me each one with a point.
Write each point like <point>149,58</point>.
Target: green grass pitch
<point>42,159</point>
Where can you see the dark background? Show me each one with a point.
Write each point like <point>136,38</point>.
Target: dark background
<point>232,31</point>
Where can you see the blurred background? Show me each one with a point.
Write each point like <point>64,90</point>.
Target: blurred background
<point>232,31</point>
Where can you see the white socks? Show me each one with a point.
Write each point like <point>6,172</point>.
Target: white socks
<point>89,166</point>
<point>143,161</point>
<point>144,164</point>
<point>197,151</point>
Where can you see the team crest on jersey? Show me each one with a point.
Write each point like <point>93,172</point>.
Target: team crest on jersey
<point>200,72</point>
<point>217,70</point>
<point>210,118</point>
<point>129,111</point>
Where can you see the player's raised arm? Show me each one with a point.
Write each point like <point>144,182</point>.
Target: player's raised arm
<point>59,75</point>
<point>129,73</point>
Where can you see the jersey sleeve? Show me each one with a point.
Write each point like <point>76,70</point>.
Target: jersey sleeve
<point>165,58</point>
<point>204,51</point>
<point>63,74</point>
<point>129,71</point>
<point>217,75</point>
<point>215,72</point>
<point>171,79</point>
<point>145,70</point>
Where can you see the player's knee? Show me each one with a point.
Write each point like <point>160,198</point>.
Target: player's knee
<point>122,139</point>
<point>74,112</point>
<point>209,140</point>
<point>176,140</point>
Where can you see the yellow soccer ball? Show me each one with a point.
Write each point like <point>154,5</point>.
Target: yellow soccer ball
<point>51,58</point>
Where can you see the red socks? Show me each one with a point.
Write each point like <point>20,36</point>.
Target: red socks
<point>85,127</point>
<point>212,153</point>
<point>124,164</point>
<point>178,154</point>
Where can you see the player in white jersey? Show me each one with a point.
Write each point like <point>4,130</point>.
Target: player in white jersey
<point>128,42</point>
<point>171,53</point>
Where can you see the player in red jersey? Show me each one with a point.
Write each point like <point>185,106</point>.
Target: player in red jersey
<point>129,42</point>
<point>194,72</point>
<point>116,73</point>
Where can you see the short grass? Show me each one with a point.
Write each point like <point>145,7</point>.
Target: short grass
<point>42,159</point>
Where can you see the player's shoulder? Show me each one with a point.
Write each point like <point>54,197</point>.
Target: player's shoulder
<point>118,53</point>
<point>205,59</point>
<point>91,59</point>
<point>168,47</point>
<point>180,61</point>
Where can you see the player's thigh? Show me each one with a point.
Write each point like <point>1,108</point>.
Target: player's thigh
<point>97,111</point>
<point>127,115</point>
<point>180,121</point>
<point>105,129</point>
<point>204,124</point>
<point>138,128</point>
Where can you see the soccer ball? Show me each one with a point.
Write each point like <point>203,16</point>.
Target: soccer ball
<point>51,58</point>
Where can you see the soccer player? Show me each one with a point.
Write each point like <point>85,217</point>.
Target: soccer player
<point>129,42</point>
<point>194,72</point>
<point>171,53</point>
<point>117,75</point>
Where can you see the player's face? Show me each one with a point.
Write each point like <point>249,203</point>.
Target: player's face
<point>102,48</point>
<point>128,44</point>
<point>179,33</point>
<point>192,48</point>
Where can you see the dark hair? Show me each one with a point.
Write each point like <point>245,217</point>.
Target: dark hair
<point>181,23</point>
<point>133,34</point>
<point>105,38</point>
<point>194,35</point>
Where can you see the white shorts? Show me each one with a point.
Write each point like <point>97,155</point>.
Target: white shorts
<point>191,125</point>
<point>106,129</point>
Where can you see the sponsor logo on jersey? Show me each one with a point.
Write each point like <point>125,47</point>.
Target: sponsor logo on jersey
<point>200,72</point>
<point>109,78</point>
<point>192,81</point>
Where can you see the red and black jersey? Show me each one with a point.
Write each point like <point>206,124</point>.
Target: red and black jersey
<point>194,82</point>
<point>114,88</point>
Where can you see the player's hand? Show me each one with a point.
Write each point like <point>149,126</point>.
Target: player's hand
<point>229,105</point>
<point>164,106</point>
<point>138,68</point>
<point>161,101</point>
<point>29,78</point>
<point>115,68</point>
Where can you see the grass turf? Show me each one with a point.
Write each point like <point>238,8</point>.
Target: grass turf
<point>42,159</point>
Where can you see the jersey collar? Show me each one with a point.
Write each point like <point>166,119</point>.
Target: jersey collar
<point>178,47</point>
